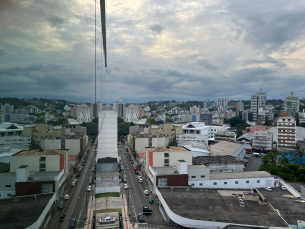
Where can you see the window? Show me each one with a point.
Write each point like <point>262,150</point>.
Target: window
<point>166,160</point>
<point>193,176</point>
<point>192,184</point>
<point>215,183</point>
<point>247,182</point>
<point>225,182</point>
<point>43,166</point>
<point>202,176</point>
<point>236,182</point>
<point>8,186</point>
<point>42,158</point>
<point>9,195</point>
<point>258,181</point>
<point>200,184</point>
<point>166,154</point>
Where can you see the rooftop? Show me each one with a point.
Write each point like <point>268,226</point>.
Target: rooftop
<point>219,206</point>
<point>206,160</point>
<point>239,175</point>
<point>107,160</point>
<point>21,212</point>
<point>107,179</point>
<point>36,152</point>
<point>290,208</point>
<point>165,149</point>
<point>225,148</point>
<point>247,136</point>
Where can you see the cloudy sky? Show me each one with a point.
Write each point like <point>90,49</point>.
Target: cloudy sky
<point>157,49</point>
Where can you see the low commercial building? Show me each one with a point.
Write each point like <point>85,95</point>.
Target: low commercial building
<point>239,180</point>
<point>220,164</point>
<point>235,149</point>
<point>225,136</point>
<point>11,134</point>
<point>213,208</point>
<point>262,140</point>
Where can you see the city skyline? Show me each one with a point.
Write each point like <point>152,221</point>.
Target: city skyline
<point>157,50</point>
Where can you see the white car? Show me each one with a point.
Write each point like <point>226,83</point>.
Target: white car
<point>283,188</point>
<point>73,183</point>
<point>140,180</point>
<point>125,186</point>
<point>67,197</point>
<point>139,177</point>
<point>146,192</point>
<point>89,188</point>
<point>122,167</point>
<point>268,189</point>
<point>107,220</point>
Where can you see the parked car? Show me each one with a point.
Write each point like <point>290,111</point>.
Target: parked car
<point>247,156</point>
<point>283,188</point>
<point>245,160</point>
<point>268,189</point>
<point>146,192</point>
<point>125,180</point>
<point>61,219</point>
<point>73,184</point>
<point>141,218</point>
<point>67,197</point>
<point>140,181</point>
<point>125,186</point>
<point>139,177</point>
<point>136,172</point>
<point>122,167</point>
<point>107,220</point>
<point>89,188</point>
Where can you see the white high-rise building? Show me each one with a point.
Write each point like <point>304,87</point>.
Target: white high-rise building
<point>83,113</point>
<point>194,110</point>
<point>258,100</point>
<point>108,134</point>
<point>132,114</point>
<point>286,133</point>
<point>120,108</point>
<point>6,108</point>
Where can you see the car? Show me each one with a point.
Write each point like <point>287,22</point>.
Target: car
<point>268,189</point>
<point>141,218</point>
<point>140,181</point>
<point>89,188</point>
<point>147,211</point>
<point>126,150</point>
<point>90,183</point>
<point>125,180</point>
<point>245,160</point>
<point>136,172</point>
<point>247,156</point>
<point>283,188</point>
<point>80,168</point>
<point>122,167</point>
<point>62,217</point>
<point>125,186</point>
<point>146,192</point>
<point>67,197</point>
<point>107,220</point>
<point>263,154</point>
<point>73,184</point>
<point>139,177</point>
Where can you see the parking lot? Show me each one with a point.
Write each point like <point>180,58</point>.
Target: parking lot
<point>254,163</point>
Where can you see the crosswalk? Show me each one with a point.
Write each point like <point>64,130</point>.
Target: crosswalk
<point>147,228</point>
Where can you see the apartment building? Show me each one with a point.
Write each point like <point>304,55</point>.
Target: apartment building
<point>11,134</point>
<point>206,118</point>
<point>286,133</point>
<point>262,140</point>
<point>292,105</point>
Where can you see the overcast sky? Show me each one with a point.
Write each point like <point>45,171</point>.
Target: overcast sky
<point>157,49</point>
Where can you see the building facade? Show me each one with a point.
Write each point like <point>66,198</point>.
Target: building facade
<point>286,133</point>
<point>262,140</point>
<point>132,114</point>
<point>83,113</point>
<point>206,118</point>
<point>258,100</point>
<point>292,105</point>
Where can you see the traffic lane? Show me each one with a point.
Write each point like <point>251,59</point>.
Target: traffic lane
<point>139,198</point>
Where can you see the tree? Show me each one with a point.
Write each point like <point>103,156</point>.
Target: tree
<point>120,120</point>
<point>151,121</point>
<point>297,120</point>
<point>173,142</point>
<point>34,145</point>
<point>61,121</point>
<point>239,133</point>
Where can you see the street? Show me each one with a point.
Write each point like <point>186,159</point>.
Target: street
<point>136,199</point>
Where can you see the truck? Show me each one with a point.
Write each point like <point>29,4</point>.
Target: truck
<point>256,154</point>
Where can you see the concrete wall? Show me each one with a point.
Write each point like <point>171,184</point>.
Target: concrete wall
<point>7,179</point>
<point>107,167</point>
<point>74,145</point>
<point>116,189</point>
<point>107,138</point>
<point>198,173</point>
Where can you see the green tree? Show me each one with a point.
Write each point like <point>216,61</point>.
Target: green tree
<point>151,121</point>
<point>34,145</point>
<point>173,142</point>
<point>239,133</point>
<point>120,120</point>
<point>61,121</point>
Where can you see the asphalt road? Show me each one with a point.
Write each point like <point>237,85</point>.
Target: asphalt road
<point>77,205</point>
<point>135,193</point>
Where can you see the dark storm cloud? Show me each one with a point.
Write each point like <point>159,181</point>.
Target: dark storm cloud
<point>157,28</point>
<point>56,21</point>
